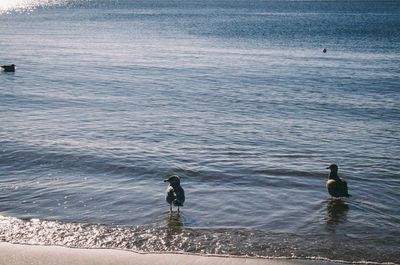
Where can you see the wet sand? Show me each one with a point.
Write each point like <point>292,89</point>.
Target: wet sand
<point>12,254</point>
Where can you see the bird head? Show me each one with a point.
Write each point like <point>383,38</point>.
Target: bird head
<point>173,180</point>
<point>333,167</point>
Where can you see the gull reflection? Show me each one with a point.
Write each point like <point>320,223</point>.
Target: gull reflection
<point>336,213</point>
<point>174,223</point>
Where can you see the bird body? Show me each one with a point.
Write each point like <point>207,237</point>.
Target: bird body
<point>175,195</point>
<point>8,68</point>
<point>336,186</point>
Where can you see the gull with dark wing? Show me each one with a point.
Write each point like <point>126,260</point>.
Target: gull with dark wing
<point>335,185</point>
<point>175,193</point>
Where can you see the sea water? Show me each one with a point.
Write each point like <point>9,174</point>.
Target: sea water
<point>235,97</point>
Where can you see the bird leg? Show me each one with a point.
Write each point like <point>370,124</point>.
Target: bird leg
<point>170,207</point>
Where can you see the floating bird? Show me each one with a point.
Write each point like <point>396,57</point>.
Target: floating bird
<point>336,186</point>
<point>324,50</point>
<point>8,68</point>
<point>175,193</point>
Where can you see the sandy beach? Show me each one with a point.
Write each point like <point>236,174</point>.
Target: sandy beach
<point>12,254</point>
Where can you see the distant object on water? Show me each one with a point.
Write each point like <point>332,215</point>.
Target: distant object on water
<point>336,187</point>
<point>8,68</point>
<point>175,193</point>
<point>324,50</point>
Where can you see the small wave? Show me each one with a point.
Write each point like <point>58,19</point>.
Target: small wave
<point>70,160</point>
<point>169,236</point>
<point>287,172</point>
<point>107,163</point>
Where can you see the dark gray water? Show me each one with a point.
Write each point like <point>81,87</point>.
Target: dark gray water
<point>237,98</point>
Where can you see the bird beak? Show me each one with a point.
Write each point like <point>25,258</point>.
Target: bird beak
<point>328,167</point>
<point>165,180</point>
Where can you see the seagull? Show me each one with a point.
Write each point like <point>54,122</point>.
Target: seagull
<point>8,68</point>
<point>336,187</point>
<point>175,193</point>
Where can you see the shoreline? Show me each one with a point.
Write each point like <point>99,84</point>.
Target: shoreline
<point>15,254</point>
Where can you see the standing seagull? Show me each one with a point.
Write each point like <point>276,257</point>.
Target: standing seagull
<point>175,193</point>
<point>336,186</point>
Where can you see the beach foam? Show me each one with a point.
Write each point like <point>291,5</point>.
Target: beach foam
<point>12,254</point>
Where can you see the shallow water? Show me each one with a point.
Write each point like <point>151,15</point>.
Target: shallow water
<point>237,98</point>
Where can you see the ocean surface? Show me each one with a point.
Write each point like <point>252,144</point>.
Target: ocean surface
<point>235,97</point>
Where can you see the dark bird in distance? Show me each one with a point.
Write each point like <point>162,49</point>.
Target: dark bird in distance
<point>324,50</point>
<point>8,68</point>
<point>175,193</point>
<point>335,185</point>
